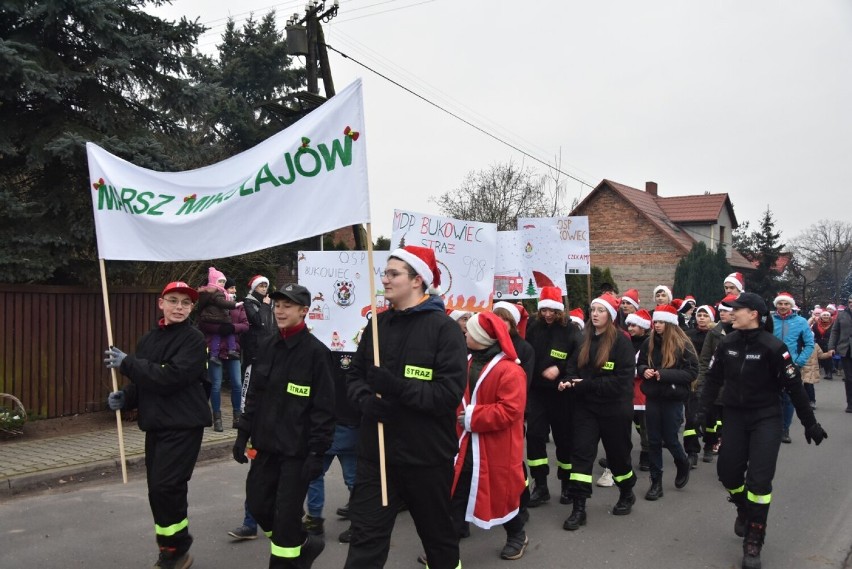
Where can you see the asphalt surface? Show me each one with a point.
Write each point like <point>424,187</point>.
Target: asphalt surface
<point>105,523</point>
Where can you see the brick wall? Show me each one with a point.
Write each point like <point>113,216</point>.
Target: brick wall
<point>636,252</point>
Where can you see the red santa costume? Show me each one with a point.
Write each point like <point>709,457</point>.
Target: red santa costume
<point>493,430</point>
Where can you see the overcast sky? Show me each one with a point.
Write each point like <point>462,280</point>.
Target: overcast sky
<point>749,98</point>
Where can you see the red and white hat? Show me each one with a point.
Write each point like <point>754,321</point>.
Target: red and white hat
<point>551,297</point>
<point>578,317</point>
<point>641,318</point>
<point>180,287</point>
<point>256,281</point>
<point>677,303</point>
<point>831,308</point>
<point>708,309</point>
<point>512,309</point>
<point>457,314</point>
<point>664,288</point>
<point>422,260</point>
<point>737,280</point>
<point>610,302</point>
<point>784,296</point>
<point>631,296</point>
<point>487,328</point>
<point>666,313</point>
<point>687,301</point>
<point>723,304</point>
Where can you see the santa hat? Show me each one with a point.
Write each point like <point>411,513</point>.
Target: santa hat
<point>688,301</point>
<point>664,288</point>
<point>525,318</point>
<point>457,314</point>
<point>737,280</point>
<point>723,304</point>
<point>641,318</point>
<point>677,303</point>
<point>512,309</point>
<point>631,296</point>
<point>487,328</point>
<point>422,260</point>
<point>578,317</point>
<point>708,309</point>
<point>784,296</point>
<point>831,308</point>
<point>256,281</point>
<point>610,302</point>
<point>666,313</point>
<point>551,297</point>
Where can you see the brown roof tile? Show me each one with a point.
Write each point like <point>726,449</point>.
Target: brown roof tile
<point>684,209</point>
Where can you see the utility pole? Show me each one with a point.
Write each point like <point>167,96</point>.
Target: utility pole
<point>316,62</point>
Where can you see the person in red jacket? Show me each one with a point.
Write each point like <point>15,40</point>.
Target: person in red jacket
<point>489,477</point>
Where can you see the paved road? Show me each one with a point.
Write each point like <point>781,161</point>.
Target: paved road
<point>810,525</point>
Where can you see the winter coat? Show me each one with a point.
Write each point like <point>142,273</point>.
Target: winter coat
<point>822,337</point>
<point>553,345</point>
<point>493,433</point>
<point>609,390</point>
<point>213,305</point>
<point>755,366</point>
<point>426,348</point>
<point>289,408</point>
<point>841,334</point>
<point>262,323</point>
<point>794,331</point>
<point>168,378</point>
<point>811,372</point>
<point>674,382</point>
<point>241,326</point>
<point>711,342</point>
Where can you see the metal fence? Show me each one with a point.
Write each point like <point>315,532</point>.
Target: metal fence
<point>52,340</point>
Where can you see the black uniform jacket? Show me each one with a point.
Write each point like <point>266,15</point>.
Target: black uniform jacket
<point>168,374</point>
<point>554,344</point>
<point>426,348</point>
<point>754,366</point>
<point>610,388</point>
<point>289,407</point>
<point>261,325</point>
<point>674,382</point>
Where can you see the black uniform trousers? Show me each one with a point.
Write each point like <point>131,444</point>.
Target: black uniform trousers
<point>691,444</point>
<point>169,461</point>
<point>275,492</point>
<point>426,492</point>
<point>712,427</point>
<point>613,429</point>
<point>549,410</point>
<point>747,458</point>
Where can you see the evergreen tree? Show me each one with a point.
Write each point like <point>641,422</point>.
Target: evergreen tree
<point>531,290</point>
<point>578,290</point>
<point>701,273</point>
<point>75,71</point>
<point>768,244</point>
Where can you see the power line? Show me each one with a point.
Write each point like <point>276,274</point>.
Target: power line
<point>457,117</point>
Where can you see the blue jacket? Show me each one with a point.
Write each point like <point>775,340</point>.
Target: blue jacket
<point>794,331</point>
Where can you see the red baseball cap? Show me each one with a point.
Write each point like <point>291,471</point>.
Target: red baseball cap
<point>182,287</point>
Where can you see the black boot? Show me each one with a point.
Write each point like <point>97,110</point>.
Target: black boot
<point>625,502</point>
<point>540,495</point>
<point>742,517</point>
<point>564,497</point>
<point>693,460</point>
<point>343,511</point>
<point>655,492</point>
<point>311,549</point>
<point>217,422</point>
<point>515,546</point>
<point>785,436</point>
<point>682,474</point>
<point>644,461</point>
<point>312,525</point>
<point>752,545</point>
<point>577,517</point>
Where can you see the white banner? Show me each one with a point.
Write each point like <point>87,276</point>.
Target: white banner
<point>465,251</point>
<point>513,274</point>
<point>339,283</point>
<point>306,180</point>
<point>560,245</point>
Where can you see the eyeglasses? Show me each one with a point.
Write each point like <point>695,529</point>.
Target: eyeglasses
<point>186,303</point>
<point>390,274</point>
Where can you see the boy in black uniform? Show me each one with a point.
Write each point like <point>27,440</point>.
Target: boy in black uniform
<point>169,387</point>
<point>754,366</point>
<point>423,357</point>
<point>289,416</point>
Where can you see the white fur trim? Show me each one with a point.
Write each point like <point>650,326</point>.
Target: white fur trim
<point>510,308</point>
<point>419,266</point>
<point>579,322</point>
<point>547,303</point>
<point>641,322</point>
<point>786,297</point>
<point>477,332</point>
<point>663,316</point>
<point>468,416</point>
<point>259,281</point>
<point>663,288</point>
<point>732,278</point>
<point>606,305</point>
<point>631,301</point>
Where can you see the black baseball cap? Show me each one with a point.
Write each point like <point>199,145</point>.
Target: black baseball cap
<point>748,300</point>
<point>297,293</point>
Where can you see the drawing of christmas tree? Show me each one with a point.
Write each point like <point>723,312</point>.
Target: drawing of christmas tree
<point>531,291</point>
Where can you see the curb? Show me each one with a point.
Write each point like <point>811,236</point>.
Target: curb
<point>99,471</point>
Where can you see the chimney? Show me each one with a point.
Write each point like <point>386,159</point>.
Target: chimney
<point>651,188</point>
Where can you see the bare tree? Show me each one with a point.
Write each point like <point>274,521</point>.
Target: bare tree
<point>824,251</point>
<point>502,193</point>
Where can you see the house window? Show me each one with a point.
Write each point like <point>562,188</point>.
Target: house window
<point>722,235</point>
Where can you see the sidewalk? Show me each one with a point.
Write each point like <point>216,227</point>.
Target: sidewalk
<point>43,463</point>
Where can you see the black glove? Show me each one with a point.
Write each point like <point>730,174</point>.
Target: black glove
<point>380,410</point>
<point>226,329</point>
<point>384,382</point>
<point>815,433</point>
<point>312,467</point>
<point>240,448</point>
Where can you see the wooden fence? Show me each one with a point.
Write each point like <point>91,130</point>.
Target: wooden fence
<point>53,339</point>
